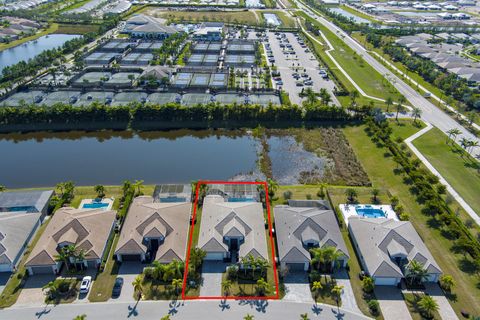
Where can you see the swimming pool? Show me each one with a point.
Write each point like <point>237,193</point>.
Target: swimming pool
<point>240,199</point>
<point>370,212</point>
<point>95,205</point>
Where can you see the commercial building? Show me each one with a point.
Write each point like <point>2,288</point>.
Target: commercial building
<point>209,31</point>
<point>147,27</point>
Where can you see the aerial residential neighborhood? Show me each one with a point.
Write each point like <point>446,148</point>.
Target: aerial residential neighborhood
<point>239,159</point>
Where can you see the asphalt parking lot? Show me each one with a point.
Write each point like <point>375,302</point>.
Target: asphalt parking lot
<point>295,60</point>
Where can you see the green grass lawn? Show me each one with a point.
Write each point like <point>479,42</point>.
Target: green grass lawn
<point>324,295</point>
<point>462,173</point>
<point>404,128</point>
<point>67,297</point>
<point>237,17</point>
<point>374,84</point>
<point>381,171</point>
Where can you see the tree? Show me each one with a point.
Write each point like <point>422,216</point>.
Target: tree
<point>416,113</point>
<point>353,96</point>
<point>126,187</point>
<point>375,193</point>
<point>138,184</point>
<point>337,293</point>
<point>262,286</point>
<point>165,317</point>
<point>51,288</point>
<point>226,286</point>
<point>428,305</point>
<point>248,317</point>
<point>351,194</point>
<point>311,96</point>
<point>100,190</point>
<point>389,103</point>
<point>80,317</point>
<point>321,192</point>
<point>196,258</point>
<point>415,272</point>
<point>471,116</point>
<point>399,106</point>
<point>2,188</point>
<point>272,187</point>
<point>368,284</point>
<point>316,287</point>
<point>304,316</point>
<point>137,286</point>
<point>447,282</point>
<point>453,133</point>
<point>177,283</point>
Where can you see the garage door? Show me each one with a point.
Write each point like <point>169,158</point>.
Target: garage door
<point>386,281</point>
<point>42,270</point>
<point>130,257</point>
<point>214,256</point>
<point>5,267</point>
<point>295,266</point>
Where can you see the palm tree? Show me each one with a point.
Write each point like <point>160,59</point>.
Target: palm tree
<point>100,190</point>
<point>472,144</point>
<point>464,143</point>
<point>399,106</point>
<point>137,286</point>
<point>318,257</point>
<point>428,305</point>
<point>337,293</point>
<point>80,257</point>
<point>138,186</point>
<point>316,287</point>
<point>453,133</point>
<point>177,283</point>
<point>375,193</point>
<point>415,272</point>
<point>323,187</point>
<point>389,103</point>
<point>262,286</point>
<point>311,96</point>
<point>272,187</point>
<point>126,186</point>
<point>353,96</point>
<point>351,194</point>
<point>447,282</point>
<point>51,287</point>
<point>304,316</point>
<point>226,286</point>
<point>416,113</point>
<point>196,258</point>
<point>248,317</point>
<point>80,317</point>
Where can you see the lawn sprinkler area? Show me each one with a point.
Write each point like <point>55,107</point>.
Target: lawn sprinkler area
<point>367,211</point>
<point>104,203</point>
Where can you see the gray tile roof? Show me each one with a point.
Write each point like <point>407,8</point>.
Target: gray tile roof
<point>147,218</point>
<point>220,217</point>
<point>36,200</point>
<point>305,220</point>
<point>380,239</point>
<point>14,231</point>
<point>148,24</point>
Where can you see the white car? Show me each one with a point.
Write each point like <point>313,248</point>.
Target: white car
<point>86,283</point>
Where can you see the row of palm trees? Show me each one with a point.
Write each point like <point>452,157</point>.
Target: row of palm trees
<point>71,254</point>
<point>325,259</point>
<point>254,264</point>
<point>165,272</point>
<point>466,144</point>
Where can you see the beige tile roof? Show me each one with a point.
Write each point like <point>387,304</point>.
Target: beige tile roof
<point>147,218</point>
<point>86,228</point>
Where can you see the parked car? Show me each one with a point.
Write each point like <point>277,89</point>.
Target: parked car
<point>86,283</point>
<point>117,287</point>
<point>299,83</point>
<point>279,83</point>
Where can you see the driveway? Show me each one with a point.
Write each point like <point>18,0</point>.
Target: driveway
<point>4,276</point>
<point>297,288</point>
<point>391,303</point>
<point>348,298</point>
<point>32,293</point>
<point>444,308</point>
<point>128,271</point>
<point>212,278</point>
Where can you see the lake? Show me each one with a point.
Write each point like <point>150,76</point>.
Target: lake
<point>32,48</point>
<point>349,15</point>
<point>44,159</point>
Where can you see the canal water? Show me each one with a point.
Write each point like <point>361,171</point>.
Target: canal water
<point>41,160</point>
<point>32,48</point>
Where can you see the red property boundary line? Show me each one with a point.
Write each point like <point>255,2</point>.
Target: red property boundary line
<point>275,275</point>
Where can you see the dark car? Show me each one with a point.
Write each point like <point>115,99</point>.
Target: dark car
<point>117,287</point>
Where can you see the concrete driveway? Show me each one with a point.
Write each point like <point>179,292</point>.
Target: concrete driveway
<point>348,298</point>
<point>297,288</point>
<point>391,303</point>
<point>128,271</point>
<point>444,308</point>
<point>32,293</point>
<point>4,276</point>
<point>212,272</point>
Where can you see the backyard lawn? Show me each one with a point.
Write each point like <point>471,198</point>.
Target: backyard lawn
<point>381,171</point>
<point>461,172</point>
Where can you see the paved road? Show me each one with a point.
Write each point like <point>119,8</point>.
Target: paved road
<point>430,113</point>
<point>189,310</point>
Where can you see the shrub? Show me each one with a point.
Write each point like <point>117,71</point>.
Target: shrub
<point>368,284</point>
<point>287,195</point>
<point>232,272</point>
<point>441,189</point>
<point>309,197</point>
<point>373,306</point>
<point>404,216</point>
<point>399,209</point>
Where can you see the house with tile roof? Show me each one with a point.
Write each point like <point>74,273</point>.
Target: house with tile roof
<point>154,230</point>
<point>302,225</point>
<point>86,229</point>
<point>232,230</point>
<point>386,247</point>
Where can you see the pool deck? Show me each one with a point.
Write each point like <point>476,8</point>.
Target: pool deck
<point>104,200</point>
<point>349,210</point>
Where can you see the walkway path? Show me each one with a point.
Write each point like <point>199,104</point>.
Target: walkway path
<point>430,167</point>
<point>348,298</point>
